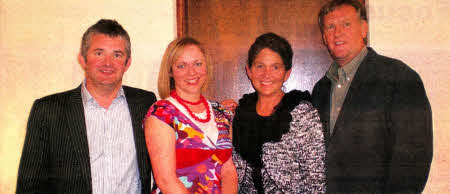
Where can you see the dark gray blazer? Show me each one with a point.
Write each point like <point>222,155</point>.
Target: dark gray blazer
<point>382,141</point>
<point>55,156</point>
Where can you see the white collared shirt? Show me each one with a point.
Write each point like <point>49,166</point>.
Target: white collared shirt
<point>112,151</point>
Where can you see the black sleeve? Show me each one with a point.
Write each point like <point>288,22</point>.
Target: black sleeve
<point>412,134</point>
<point>33,174</point>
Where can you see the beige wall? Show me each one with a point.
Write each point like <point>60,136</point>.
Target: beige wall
<point>39,41</point>
<point>417,32</point>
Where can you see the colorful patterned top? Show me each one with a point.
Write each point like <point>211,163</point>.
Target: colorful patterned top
<point>199,158</point>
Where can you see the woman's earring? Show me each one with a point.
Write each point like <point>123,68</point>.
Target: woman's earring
<point>283,87</point>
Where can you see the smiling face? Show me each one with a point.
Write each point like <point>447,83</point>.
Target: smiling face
<point>268,73</point>
<point>190,72</point>
<point>344,33</point>
<point>105,62</point>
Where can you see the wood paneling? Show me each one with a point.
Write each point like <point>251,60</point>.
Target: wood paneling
<point>228,28</point>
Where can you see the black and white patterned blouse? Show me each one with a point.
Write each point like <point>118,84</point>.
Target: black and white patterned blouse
<point>281,153</point>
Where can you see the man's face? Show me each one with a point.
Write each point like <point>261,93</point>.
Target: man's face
<point>105,62</point>
<point>344,33</point>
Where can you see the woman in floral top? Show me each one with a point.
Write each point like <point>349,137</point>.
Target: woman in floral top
<point>188,137</point>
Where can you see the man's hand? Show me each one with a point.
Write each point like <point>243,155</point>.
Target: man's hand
<point>229,104</point>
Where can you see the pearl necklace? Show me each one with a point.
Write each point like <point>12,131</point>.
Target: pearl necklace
<point>183,103</point>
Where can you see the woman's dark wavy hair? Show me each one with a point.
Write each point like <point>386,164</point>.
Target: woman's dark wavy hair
<point>275,43</point>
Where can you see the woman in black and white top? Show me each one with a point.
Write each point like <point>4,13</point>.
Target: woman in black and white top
<point>277,136</point>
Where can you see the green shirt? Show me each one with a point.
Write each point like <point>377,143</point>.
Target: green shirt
<point>341,78</point>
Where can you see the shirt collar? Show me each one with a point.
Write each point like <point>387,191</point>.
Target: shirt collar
<point>349,69</point>
<point>88,99</point>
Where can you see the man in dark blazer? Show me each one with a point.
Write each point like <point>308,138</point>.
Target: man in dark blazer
<point>90,139</point>
<point>375,111</point>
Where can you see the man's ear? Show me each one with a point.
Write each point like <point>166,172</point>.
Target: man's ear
<point>324,39</point>
<point>128,64</point>
<point>364,29</point>
<point>81,61</point>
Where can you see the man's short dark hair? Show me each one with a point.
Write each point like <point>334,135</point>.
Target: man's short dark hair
<point>109,28</point>
<point>332,5</point>
<point>275,43</point>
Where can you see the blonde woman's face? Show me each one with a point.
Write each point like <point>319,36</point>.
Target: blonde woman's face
<point>189,71</point>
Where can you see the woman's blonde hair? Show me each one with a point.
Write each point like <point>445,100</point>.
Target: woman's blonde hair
<point>166,83</point>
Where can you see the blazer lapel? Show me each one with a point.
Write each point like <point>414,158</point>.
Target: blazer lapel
<point>137,111</point>
<point>77,131</point>
<point>325,110</point>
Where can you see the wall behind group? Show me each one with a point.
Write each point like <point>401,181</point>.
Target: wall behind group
<point>417,32</point>
<point>39,41</point>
